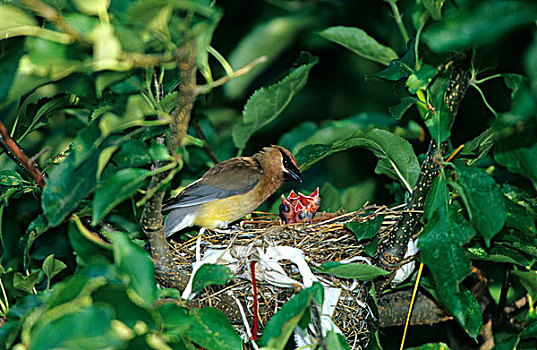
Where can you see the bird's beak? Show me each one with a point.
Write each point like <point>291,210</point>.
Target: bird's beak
<point>293,175</point>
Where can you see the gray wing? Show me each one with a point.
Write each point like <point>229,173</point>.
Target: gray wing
<point>230,178</point>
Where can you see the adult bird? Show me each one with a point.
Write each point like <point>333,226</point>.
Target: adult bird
<point>231,189</point>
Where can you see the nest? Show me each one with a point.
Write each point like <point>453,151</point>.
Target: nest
<point>325,239</point>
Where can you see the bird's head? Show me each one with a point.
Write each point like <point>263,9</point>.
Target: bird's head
<point>280,159</point>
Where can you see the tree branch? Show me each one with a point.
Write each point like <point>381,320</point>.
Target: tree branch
<point>16,153</point>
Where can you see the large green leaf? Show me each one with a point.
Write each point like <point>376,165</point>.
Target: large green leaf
<point>396,157</point>
<point>9,64</point>
<point>362,272</point>
<point>479,24</point>
<point>268,39</point>
<point>73,179</point>
<point>360,43</point>
<point>268,103</point>
<point>115,190</point>
<point>518,153</point>
<point>209,274</point>
<point>212,330</point>
<point>137,267</point>
<point>485,201</point>
<point>280,326</point>
<point>85,328</point>
<point>367,229</point>
<point>528,280</point>
<point>441,248</point>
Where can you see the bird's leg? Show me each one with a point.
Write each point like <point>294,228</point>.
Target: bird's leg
<point>198,244</point>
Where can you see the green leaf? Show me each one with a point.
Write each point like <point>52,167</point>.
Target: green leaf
<point>441,244</point>
<point>528,280</point>
<point>212,330</point>
<point>365,230</point>
<point>530,331</point>
<point>431,346</point>
<point>25,283</point>
<point>486,206</point>
<point>478,147</point>
<point>267,103</point>
<point>360,43</point>
<point>133,154</point>
<point>52,267</point>
<point>10,178</point>
<point>9,64</point>
<point>136,265</point>
<point>478,24</point>
<point>14,17</point>
<point>421,79</point>
<point>115,190</point>
<point>331,198</point>
<point>399,110</point>
<point>94,7</point>
<point>209,274</point>
<point>399,68</point>
<point>268,39</point>
<point>519,217</point>
<point>518,153</point>
<point>434,7</point>
<point>86,328</point>
<point>280,326</point>
<point>439,124</point>
<point>336,341</point>
<point>64,189</point>
<point>396,157</point>
<point>174,318</point>
<point>500,253</point>
<point>362,272</point>
<point>86,245</point>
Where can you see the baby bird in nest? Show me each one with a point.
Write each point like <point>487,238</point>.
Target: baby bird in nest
<point>230,190</point>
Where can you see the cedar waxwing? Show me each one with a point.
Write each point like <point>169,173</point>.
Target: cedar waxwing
<point>231,189</point>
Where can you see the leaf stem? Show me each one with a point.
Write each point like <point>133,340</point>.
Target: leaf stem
<point>399,20</point>
<point>202,89</point>
<point>225,64</point>
<point>487,78</point>
<point>485,100</point>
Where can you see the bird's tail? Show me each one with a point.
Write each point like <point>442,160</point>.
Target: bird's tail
<point>179,218</point>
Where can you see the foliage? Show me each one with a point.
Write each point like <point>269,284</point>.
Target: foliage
<point>90,86</point>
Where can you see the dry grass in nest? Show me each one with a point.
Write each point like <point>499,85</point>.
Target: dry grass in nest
<point>325,239</point>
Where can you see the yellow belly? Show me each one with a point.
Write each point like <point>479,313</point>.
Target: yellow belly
<point>217,214</point>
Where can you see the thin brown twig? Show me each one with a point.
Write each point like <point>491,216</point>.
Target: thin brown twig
<point>52,15</point>
<point>206,145</point>
<point>15,152</point>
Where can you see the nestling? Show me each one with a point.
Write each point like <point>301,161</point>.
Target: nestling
<point>231,189</point>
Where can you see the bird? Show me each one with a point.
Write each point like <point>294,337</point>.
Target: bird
<point>230,190</point>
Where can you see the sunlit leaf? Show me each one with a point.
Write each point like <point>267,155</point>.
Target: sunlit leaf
<point>360,43</point>
<point>268,39</point>
<point>137,267</point>
<point>268,103</point>
<point>280,326</point>
<point>212,330</point>
<point>396,157</point>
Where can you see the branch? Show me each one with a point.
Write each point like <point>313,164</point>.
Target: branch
<point>152,220</point>
<point>16,153</point>
<point>392,249</point>
<point>206,145</point>
<point>54,17</point>
<point>202,89</point>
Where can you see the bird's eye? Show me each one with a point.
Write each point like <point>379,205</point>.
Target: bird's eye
<point>302,215</point>
<point>285,208</point>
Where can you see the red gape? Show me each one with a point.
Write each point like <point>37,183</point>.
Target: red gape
<point>299,208</point>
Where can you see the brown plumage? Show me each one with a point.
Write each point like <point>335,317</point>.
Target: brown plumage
<point>231,189</point>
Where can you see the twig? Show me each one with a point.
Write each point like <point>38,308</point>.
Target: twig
<point>16,153</point>
<point>202,89</point>
<point>55,18</point>
<point>206,145</point>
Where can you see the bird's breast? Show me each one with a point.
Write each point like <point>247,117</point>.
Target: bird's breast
<point>218,213</point>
